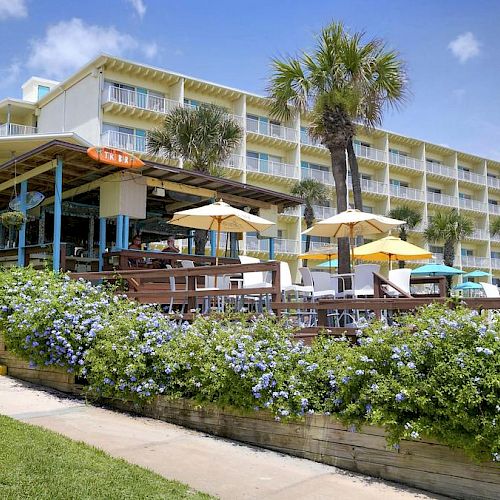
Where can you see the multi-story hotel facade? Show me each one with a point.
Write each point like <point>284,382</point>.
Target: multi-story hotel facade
<point>114,102</point>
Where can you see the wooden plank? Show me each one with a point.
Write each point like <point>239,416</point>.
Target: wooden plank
<point>28,175</point>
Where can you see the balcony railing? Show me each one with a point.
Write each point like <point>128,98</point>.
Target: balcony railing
<point>121,140</point>
<point>494,209</point>
<point>405,161</point>
<point>315,245</point>
<point>441,199</point>
<point>322,212</point>
<point>465,175</point>
<point>285,246</point>
<point>475,205</point>
<point>471,261</point>
<point>369,153</point>
<point>494,182</point>
<point>305,138</point>
<point>479,234</point>
<point>139,100</point>
<point>236,162</point>
<point>438,169</point>
<point>495,263</point>
<point>437,257</point>
<point>292,211</point>
<point>270,167</point>
<point>271,130</point>
<point>16,129</point>
<point>406,193</point>
<point>323,176</point>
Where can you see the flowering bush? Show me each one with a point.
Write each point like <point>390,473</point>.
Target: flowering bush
<point>434,374</point>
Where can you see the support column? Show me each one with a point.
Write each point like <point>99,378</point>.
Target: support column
<point>41,226</point>
<point>90,242</point>
<point>119,233</point>
<point>213,243</point>
<point>22,230</point>
<point>102,241</point>
<point>271,248</point>
<point>126,230</point>
<point>190,242</point>
<point>57,215</point>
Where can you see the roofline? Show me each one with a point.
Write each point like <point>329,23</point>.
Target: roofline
<point>13,100</point>
<point>50,137</point>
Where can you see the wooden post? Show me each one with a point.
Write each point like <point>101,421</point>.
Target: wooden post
<point>191,286</point>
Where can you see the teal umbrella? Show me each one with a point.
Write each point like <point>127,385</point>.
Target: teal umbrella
<point>476,274</point>
<point>329,263</point>
<point>435,270</point>
<point>468,285</point>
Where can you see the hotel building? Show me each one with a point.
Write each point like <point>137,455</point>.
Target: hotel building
<point>114,102</point>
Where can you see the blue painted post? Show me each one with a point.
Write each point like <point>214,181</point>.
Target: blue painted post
<point>56,241</point>
<point>271,248</point>
<point>213,243</point>
<point>22,230</point>
<point>126,229</point>
<point>119,233</point>
<point>102,241</point>
<point>190,242</point>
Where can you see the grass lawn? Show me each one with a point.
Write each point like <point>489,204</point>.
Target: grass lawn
<point>40,464</point>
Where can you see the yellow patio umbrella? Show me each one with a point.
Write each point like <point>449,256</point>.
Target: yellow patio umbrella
<point>391,248</point>
<point>220,216</point>
<point>321,253</point>
<point>351,223</point>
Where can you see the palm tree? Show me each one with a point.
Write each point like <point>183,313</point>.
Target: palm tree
<point>449,227</point>
<point>311,192</point>
<point>203,137</point>
<point>495,226</point>
<point>344,79</point>
<point>411,216</point>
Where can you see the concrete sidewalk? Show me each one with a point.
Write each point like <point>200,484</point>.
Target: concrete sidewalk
<point>223,468</point>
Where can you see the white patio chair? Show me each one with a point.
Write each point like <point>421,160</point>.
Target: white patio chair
<point>363,279</point>
<point>287,284</point>
<point>401,278</point>
<point>490,290</point>
<point>255,279</point>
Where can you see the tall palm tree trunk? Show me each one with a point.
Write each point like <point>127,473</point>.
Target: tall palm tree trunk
<point>200,241</point>
<point>356,179</point>
<point>448,259</point>
<point>309,218</point>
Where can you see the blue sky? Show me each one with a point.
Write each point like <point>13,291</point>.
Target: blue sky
<point>450,46</point>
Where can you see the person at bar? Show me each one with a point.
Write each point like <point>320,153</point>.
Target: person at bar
<point>171,245</point>
<point>136,245</point>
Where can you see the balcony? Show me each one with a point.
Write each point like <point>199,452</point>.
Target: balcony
<point>405,161</point>
<point>406,193</point>
<point>438,169</point>
<point>479,234</point>
<point>474,205</point>
<point>139,100</point>
<point>120,140</point>
<point>323,176</point>
<point>495,263</point>
<point>16,129</point>
<point>441,199</point>
<point>316,245</point>
<point>471,261</point>
<point>369,153</point>
<point>271,130</point>
<point>465,175</point>
<point>235,162</point>
<point>322,212</point>
<point>493,182</point>
<point>283,246</point>
<point>274,168</point>
<point>307,140</point>
<point>494,209</point>
<point>292,212</point>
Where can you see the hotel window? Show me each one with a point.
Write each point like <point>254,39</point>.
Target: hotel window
<point>467,252</point>
<point>492,176</point>
<point>263,162</point>
<point>281,234</point>
<point>495,255</point>
<point>464,196</point>
<point>192,103</point>
<point>398,183</point>
<point>433,190</point>
<point>361,143</point>
<point>463,169</point>
<point>42,90</point>
<point>366,177</point>
<point>435,162</point>
<point>436,249</point>
<point>496,281</point>
<point>304,136</point>
<point>492,202</point>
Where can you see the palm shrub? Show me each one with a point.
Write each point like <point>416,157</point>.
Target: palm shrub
<point>311,192</point>
<point>451,228</point>
<point>204,137</point>
<point>344,79</point>
<point>495,226</point>
<point>412,218</point>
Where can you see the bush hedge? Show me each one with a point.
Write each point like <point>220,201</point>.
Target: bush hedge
<point>434,374</point>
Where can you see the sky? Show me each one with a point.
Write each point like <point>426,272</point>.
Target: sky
<point>450,47</point>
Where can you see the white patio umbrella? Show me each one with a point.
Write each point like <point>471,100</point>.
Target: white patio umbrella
<point>351,223</point>
<point>220,216</point>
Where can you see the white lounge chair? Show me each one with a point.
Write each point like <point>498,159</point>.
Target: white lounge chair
<point>401,278</point>
<point>491,291</point>
<point>287,284</point>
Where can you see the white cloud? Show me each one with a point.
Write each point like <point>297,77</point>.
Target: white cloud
<point>139,6</point>
<point>465,47</point>
<point>68,45</point>
<point>10,74</point>
<point>13,8</point>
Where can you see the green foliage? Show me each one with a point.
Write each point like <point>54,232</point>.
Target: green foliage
<point>13,219</point>
<point>412,217</point>
<point>450,227</point>
<point>495,226</point>
<point>433,374</point>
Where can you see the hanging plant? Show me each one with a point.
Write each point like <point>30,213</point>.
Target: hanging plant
<point>13,219</point>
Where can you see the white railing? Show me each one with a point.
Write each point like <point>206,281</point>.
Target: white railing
<point>321,212</point>
<point>316,245</point>
<point>373,186</point>
<point>465,175</point>
<point>494,209</point>
<point>305,138</point>
<point>495,237</point>
<point>270,167</point>
<point>475,205</point>
<point>121,140</point>
<point>437,257</point>
<point>271,129</point>
<point>478,234</point>
<point>494,182</point>
<point>441,199</point>
<point>292,211</point>
<point>471,261</point>
<point>16,129</point>
<point>254,244</point>
<point>406,193</point>
<point>405,161</point>
<point>139,100</point>
<point>438,169</point>
<point>369,153</point>
<point>323,176</point>
<point>495,263</point>
<point>236,162</point>
<point>286,246</point>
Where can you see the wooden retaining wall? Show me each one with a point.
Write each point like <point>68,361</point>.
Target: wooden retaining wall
<point>423,464</point>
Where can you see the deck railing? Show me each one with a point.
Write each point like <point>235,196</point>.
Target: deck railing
<point>270,167</point>
<point>121,140</point>
<point>139,100</point>
<point>16,129</point>
<point>271,129</point>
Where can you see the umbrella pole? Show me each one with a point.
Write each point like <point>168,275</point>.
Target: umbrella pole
<point>217,247</point>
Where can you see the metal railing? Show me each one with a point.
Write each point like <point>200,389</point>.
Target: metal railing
<point>16,129</point>
<point>321,212</point>
<point>494,209</point>
<point>405,161</point>
<point>139,100</point>
<point>271,129</point>
<point>475,205</point>
<point>236,162</point>
<point>465,175</point>
<point>323,176</point>
<point>306,139</point>
<point>441,199</point>
<point>406,192</point>
<point>369,152</point>
<point>478,234</point>
<point>472,261</point>
<point>493,182</point>
<point>285,246</point>
<point>292,211</point>
<point>270,167</point>
<point>439,169</point>
<point>121,140</point>
<point>495,263</point>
